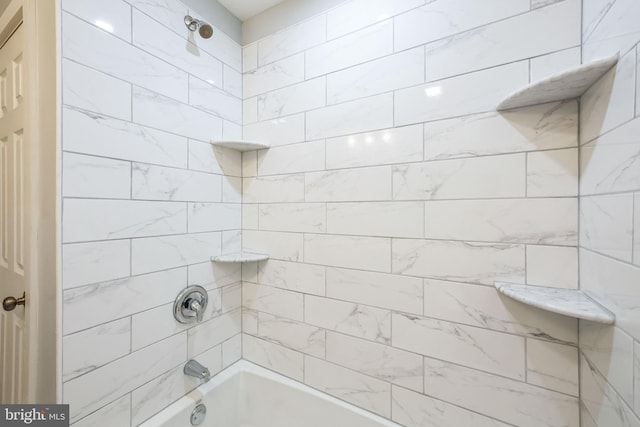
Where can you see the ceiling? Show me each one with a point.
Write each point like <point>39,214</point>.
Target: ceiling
<point>245,9</point>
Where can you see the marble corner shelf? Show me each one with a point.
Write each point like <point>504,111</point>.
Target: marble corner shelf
<point>240,257</point>
<point>241,145</point>
<point>558,87</point>
<point>568,302</point>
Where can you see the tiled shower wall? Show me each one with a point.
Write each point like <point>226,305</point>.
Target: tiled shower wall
<point>610,216</point>
<point>394,196</point>
<point>147,201</point>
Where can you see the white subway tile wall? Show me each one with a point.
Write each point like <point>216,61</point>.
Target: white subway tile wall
<point>147,201</point>
<point>394,197</point>
<point>609,216</point>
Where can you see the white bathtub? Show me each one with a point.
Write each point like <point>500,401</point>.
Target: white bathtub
<point>246,395</point>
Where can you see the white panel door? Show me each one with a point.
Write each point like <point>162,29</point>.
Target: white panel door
<point>13,341</point>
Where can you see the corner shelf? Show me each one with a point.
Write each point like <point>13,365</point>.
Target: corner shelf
<point>241,145</point>
<point>240,257</point>
<point>569,302</point>
<point>558,87</point>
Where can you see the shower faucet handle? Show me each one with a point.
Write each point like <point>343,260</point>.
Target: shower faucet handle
<point>191,304</point>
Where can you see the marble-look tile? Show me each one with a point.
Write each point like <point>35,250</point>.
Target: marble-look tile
<point>541,221</point>
<point>373,254</point>
<point>232,189</point>
<point>472,93</point>
<point>95,177</point>
<point>387,291</point>
<point>553,366</point>
<point>294,217</point>
<point>356,14</point>
<point>249,163</point>
<point>249,323</point>
<point>114,19</point>
<point>613,284</point>
<point>273,356</point>
<point>364,115</point>
<point>132,295</point>
<point>348,318</point>
<point>592,13</point>
<point>94,219</point>
<point>636,230</point>
<point>306,278</point>
<point>606,224</point>
<point>482,306</point>
<point>538,32</point>
<point>275,301</point>
<point>508,400</point>
<point>553,63</point>
<point>615,32</point>
<point>161,392</point>
<point>159,253</point>
<point>392,219</point>
<point>250,110</point>
<point>378,360</point>
<point>231,131</point>
<point>205,157</point>
<point>636,375</point>
<point>281,131</point>
<point>274,76</point>
<point>306,157</point>
<point>601,400</point>
<point>585,418</point>
<point>611,101</point>
<point>170,13</point>
<point>209,334</point>
<point>208,97</point>
<point>91,90</point>
<point>349,185</point>
<point>89,392</point>
<point>150,182</point>
<point>232,82</point>
<point>479,348</point>
<point>274,189</point>
<point>157,111</point>
<point>389,146</point>
<point>212,275</point>
<point>204,217</point>
<point>156,39</point>
<point>476,177</point>
<point>610,351</point>
<point>415,409</point>
<point>121,140</point>
<point>92,348</point>
<point>611,163</point>
<point>86,263</point>
<point>388,73</point>
<point>249,57</point>
<point>117,412</point>
<point>231,351</point>
<point>282,246</point>
<point>534,128</point>
<point>91,46</point>
<point>552,266</point>
<point>450,17</point>
<point>305,96</point>
<point>552,173</point>
<point>361,46</point>
<point>250,217</point>
<point>481,263</point>
<point>363,391</point>
<point>297,38</point>
<point>294,335</point>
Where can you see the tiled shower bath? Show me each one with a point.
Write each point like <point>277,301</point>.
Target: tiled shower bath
<point>391,199</point>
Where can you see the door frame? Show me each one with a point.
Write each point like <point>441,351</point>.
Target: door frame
<point>43,273</point>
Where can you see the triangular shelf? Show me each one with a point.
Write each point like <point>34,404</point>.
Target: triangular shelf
<point>240,145</point>
<point>240,257</point>
<point>558,87</point>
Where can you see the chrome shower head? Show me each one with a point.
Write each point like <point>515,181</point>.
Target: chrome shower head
<point>194,24</point>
